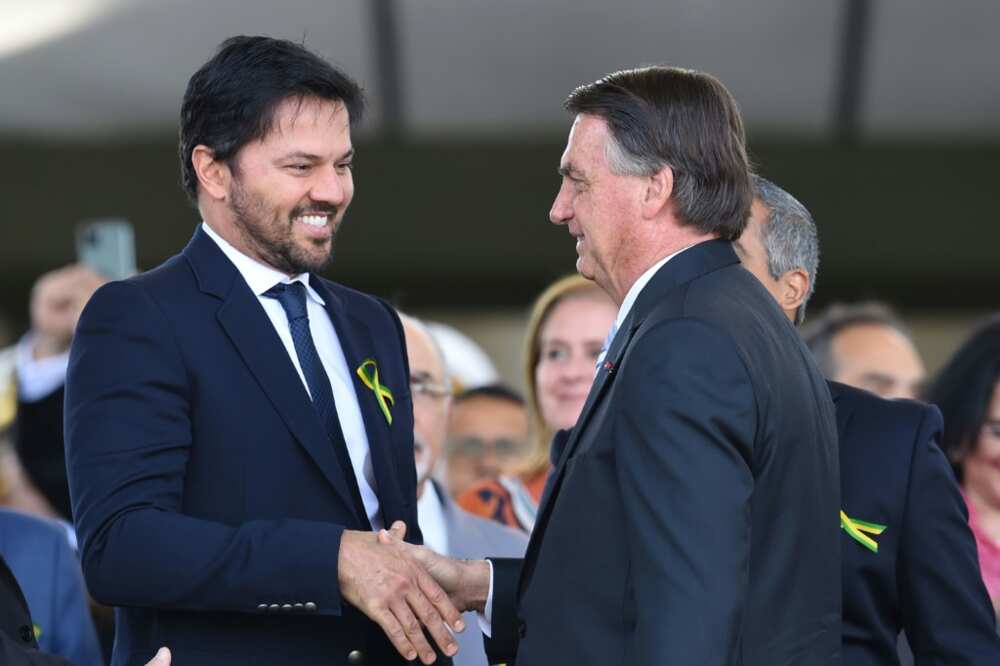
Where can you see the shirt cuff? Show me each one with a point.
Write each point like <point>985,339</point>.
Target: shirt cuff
<point>486,617</point>
<point>38,378</point>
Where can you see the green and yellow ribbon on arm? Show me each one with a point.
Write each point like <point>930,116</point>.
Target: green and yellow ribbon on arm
<point>368,372</point>
<point>859,530</point>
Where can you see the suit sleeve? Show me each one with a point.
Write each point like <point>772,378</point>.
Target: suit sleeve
<point>947,613</point>
<point>684,436</point>
<point>128,438</point>
<point>74,633</point>
<point>502,646</point>
<point>13,654</point>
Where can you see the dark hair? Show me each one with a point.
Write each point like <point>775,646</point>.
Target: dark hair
<point>964,388</point>
<point>687,120</point>
<point>492,391</point>
<point>231,100</point>
<point>820,332</point>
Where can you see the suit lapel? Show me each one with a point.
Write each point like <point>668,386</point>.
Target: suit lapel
<point>694,262</point>
<point>602,381</point>
<point>254,337</point>
<point>358,343</point>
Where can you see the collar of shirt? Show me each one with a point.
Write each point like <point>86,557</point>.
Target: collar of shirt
<point>260,277</point>
<point>637,286</point>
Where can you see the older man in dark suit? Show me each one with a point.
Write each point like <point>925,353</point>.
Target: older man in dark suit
<point>909,558</point>
<point>237,427</point>
<point>692,516</point>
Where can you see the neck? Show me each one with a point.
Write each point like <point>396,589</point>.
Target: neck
<point>633,270</point>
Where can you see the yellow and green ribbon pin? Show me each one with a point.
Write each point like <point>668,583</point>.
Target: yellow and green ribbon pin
<point>859,531</point>
<point>368,372</point>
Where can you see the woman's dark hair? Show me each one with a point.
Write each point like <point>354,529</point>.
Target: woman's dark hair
<point>687,120</point>
<point>231,100</point>
<point>964,388</point>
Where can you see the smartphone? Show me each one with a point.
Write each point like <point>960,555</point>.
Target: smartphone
<point>107,246</point>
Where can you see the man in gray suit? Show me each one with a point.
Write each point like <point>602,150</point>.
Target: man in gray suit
<point>447,529</point>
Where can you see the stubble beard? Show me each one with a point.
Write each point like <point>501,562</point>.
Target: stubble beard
<point>271,238</point>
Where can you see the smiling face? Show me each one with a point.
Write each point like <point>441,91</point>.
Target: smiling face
<point>981,469</point>
<point>570,341</point>
<point>288,192</point>
<point>599,208</point>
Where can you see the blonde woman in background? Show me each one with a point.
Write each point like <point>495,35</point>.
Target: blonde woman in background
<point>566,331</point>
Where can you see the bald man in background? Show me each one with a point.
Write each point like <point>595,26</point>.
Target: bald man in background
<point>446,528</point>
<point>867,346</point>
<point>920,572</point>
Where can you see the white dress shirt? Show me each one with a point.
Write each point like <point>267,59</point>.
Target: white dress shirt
<point>261,277</point>
<point>430,517</point>
<point>38,378</point>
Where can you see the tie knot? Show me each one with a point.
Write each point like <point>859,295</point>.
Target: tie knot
<point>292,297</point>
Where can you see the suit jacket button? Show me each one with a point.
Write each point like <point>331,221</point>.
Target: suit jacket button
<point>262,608</point>
<point>522,629</point>
<point>356,658</point>
<point>274,608</point>
<point>299,607</point>
<point>27,633</point>
<point>310,607</point>
<point>286,608</point>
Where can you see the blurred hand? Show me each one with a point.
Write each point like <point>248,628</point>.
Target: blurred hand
<point>162,658</point>
<point>397,594</point>
<point>57,299</point>
<point>467,582</point>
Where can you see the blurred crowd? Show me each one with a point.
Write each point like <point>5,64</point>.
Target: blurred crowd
<point>484,450</point>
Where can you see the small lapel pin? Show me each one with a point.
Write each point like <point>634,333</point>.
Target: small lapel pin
<point>609,366</point>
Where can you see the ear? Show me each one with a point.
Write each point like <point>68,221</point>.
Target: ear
<point>793,288</point>
<point>658,189</point>
<point>213,175</point>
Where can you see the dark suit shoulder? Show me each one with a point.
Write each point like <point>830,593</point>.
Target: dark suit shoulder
<point>900,424</point>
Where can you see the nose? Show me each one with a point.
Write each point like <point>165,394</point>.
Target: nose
<point>332,187</point>
<point>562,210</point>
<point>580,368</point>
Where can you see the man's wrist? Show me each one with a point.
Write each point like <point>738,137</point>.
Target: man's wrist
<point>475,584</point>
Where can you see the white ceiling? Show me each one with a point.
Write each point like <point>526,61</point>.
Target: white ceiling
<point>502,67</point>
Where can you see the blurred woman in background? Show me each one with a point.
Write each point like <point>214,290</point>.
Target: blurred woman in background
<point>967,390</point>
<point>565,334</point>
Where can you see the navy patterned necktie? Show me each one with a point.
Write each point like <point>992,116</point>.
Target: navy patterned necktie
<point>292,297</point>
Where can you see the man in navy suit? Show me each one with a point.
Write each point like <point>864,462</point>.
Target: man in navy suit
<point>238,428</point>
<point>908,556</point>
<point>692,516</point>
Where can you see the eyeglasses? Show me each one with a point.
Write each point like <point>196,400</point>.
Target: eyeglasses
<point>422,388</point>
<point>476,447</point>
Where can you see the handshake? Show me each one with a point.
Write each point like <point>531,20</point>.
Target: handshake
<point>405,588</point>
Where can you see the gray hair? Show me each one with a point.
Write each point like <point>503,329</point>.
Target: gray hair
<point>419,325</point>
<point>788,235</point>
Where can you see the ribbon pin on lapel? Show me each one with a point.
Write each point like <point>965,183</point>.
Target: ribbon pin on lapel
<point>857,528</point>
<point>382,394</point>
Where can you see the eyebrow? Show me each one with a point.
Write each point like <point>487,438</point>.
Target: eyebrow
<point>312,157</point>
<point>569,171</point>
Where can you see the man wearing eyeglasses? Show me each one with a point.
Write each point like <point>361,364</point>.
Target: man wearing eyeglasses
<point>487,436</point>
<point>447,529</point>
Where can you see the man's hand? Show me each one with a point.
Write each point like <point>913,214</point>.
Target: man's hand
<point>162,658</point>
<point>57,299</point>
<point>397,594</point>
<point>467,582</point>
